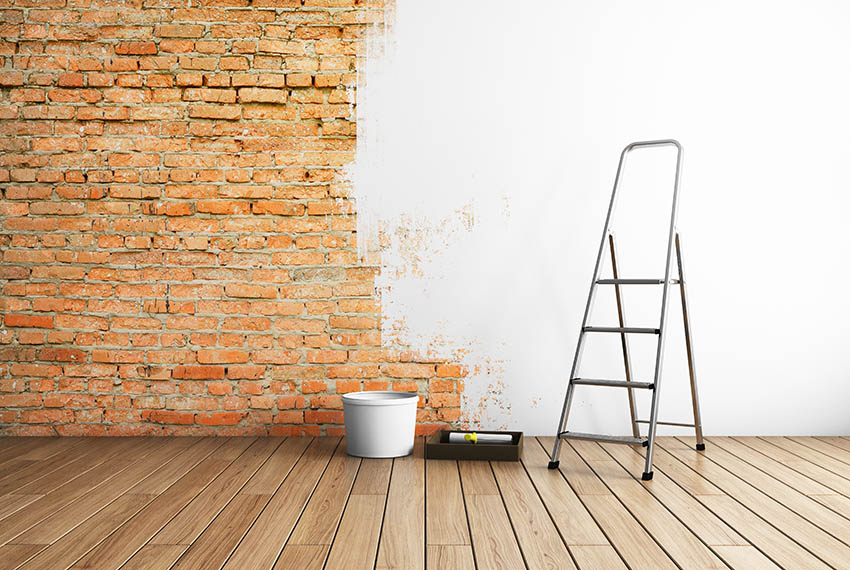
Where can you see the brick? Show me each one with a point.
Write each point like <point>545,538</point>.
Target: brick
<point>28,321</point>
<point>313,386</point>
<point>180,30</point>
<point>219,418</point>
<point>261,95</point>
<point>408,370</point>
<point>222,356</point>
<point>135,48</point>
<point>198,372</point>
<point>241,290</point>
<point>223,112</point>
<point>323,417</point>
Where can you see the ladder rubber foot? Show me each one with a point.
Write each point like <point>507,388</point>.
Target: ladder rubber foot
<point>646,476</point>
<point>700,447</point>
<point>554,464</point>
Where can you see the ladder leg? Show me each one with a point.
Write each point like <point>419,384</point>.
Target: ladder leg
<point>662,325</point>
<point>562,424</point>
<point>624,341</point>
<point>689,347</point>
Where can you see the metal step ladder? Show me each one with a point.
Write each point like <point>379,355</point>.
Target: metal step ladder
<point>673,241</point>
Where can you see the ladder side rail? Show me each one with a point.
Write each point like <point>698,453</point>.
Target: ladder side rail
<point>689,346</point>
<point>553,463</point>
<point>659,355</point>
<point>624,339</point>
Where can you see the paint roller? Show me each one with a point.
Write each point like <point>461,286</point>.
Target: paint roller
<point>475,438</point>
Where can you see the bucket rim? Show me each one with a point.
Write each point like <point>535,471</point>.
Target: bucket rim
<point>380,398</point>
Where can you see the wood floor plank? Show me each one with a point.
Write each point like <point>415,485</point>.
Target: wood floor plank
<point>60,522</point>
<point>676,539</point>
<point>789,522</point>
<point>320,518</point>
<point>538,538</point>
<point>14,466</point>
<point>56,500</point>
<point>12,503</point>
<point>269,477</point>
<point>303,557</point>
<point>51,447</point>
<point>804,506</point>
<point>712,530</point>
<point>373,477</point>
<point>477,477</point>
<point>205,506</point>
<point>262,544</point>
<point>96,453</point>
<point>813,456</point>
<point>199,466</point>
<point>838,503</point>
<point>778,547</point>
<point>836,483</point>
<point>841,442</point>
<point>224,449</point>
<point>355,545</point>
<point>745,557</point>
<point>402,543</point>
<point>212,549</point>
<point>825,448</point>
<point>571,517</point>
<point>581,477</point>
<point>155,557</point>
<point>15,446</point>
<point>445,516</point>
<point>65,459</point>
<point>768,465</point>
<point>83,537</point>
<point>597,558</point>
<point>496,546</point>
<point>630,539</point>
<point>13,555</point>
<point>450,557</point>
<point>200,558</point>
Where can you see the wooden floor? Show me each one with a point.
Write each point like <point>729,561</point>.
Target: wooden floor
<point>272,504</point>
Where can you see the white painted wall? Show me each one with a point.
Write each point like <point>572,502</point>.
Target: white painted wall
<point>489,135</point>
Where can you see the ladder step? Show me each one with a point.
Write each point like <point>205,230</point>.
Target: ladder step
<point>640,330</point>
<point>605,438</point>
<point>665,423</point>
<point>615,383</point>
<point>634,281</point>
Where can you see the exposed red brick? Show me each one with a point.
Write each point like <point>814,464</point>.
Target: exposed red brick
<point>179,252</point>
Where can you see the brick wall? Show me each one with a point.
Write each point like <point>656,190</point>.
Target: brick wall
<point>178,244</point>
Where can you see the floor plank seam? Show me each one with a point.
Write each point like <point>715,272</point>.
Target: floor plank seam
<point>765,520</point>
<point>549,513</point>
<point>669,510</point>
<point>804,475</point>
<point>342,514</point>
<point>300,514</point>
<point>623,504</point>
<point>383,515</point>
<point>589,511</point>
<point>93,514</point>
<point>806,518</point>
<point>466,514</point>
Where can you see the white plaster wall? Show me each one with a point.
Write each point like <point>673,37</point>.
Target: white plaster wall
<point>489,135</point>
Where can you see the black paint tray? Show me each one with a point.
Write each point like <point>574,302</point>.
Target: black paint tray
<point>438,447</point>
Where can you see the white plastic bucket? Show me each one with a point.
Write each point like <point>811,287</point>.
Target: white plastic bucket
<point>380,424</point>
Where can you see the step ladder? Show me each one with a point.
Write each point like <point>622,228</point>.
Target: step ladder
<point>624,331</point>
